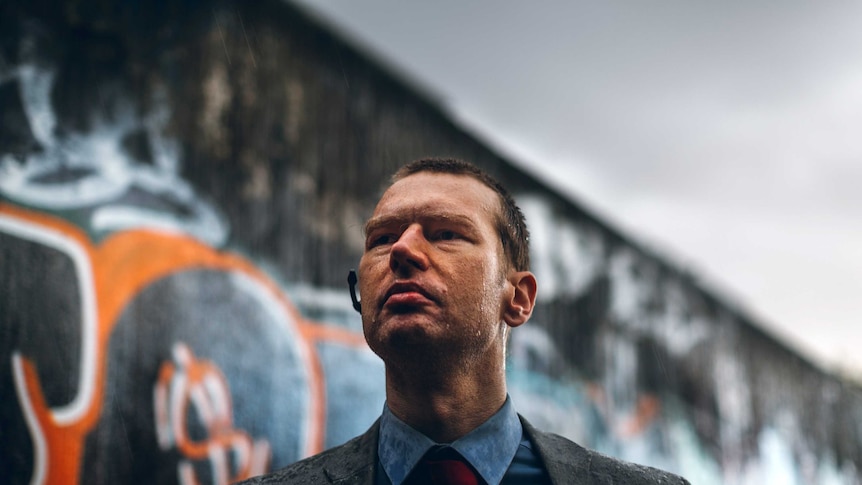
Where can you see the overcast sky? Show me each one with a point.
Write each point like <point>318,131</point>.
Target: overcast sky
<point>726,136</point>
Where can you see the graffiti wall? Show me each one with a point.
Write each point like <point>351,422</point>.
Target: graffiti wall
<point>182,191</point>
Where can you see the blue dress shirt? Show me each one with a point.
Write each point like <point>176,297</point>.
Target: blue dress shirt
<point>498,449</point>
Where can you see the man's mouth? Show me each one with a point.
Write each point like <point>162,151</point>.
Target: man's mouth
<point>406,294</point>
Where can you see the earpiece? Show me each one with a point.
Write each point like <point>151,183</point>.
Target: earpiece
<point>351,281</point>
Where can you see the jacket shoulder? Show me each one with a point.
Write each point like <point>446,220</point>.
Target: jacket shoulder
<point>569,462</point>
<point>604,467</point>
<point>352,462</point>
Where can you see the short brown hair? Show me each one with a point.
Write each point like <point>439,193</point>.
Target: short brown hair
<point>510,222</point>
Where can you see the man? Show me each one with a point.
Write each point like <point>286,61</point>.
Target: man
<point>444,277</point>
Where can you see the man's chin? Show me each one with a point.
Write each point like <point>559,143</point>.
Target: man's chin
<point>406,329</point>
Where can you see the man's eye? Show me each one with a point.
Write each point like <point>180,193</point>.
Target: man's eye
<point>380,240</point>
<point>447,235</point>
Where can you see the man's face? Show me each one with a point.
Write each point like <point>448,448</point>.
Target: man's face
<point>433,275</point>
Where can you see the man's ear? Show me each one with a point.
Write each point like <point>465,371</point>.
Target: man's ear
<point>521,298</point>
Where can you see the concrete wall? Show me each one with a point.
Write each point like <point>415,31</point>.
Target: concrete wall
<point>182,190</point>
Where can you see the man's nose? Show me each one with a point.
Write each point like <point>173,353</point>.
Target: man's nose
<point>409,251</point>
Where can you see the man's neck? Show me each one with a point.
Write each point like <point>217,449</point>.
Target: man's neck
<point>445,407</point>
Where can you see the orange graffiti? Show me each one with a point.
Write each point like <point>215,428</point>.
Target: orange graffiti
<point>118,269</point>
<point>188,382</point>
<point>647,410</point>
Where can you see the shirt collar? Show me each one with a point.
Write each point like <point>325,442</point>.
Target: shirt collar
<point>489,448</point>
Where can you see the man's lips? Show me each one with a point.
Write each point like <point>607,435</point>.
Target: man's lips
<point>406,294</point>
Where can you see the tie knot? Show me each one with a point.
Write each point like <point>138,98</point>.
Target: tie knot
<point>443,466</point>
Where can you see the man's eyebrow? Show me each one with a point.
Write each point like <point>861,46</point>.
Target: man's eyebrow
<point>375,222</point>
<point>381,221</point>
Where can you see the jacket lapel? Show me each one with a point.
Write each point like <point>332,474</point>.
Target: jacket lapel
<point>354,463</point>
<point>565,461</point>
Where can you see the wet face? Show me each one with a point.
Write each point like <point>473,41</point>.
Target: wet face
<point>433,275</point>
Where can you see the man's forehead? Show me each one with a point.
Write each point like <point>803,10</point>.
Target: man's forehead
<point>436,181</point>
<point>439,195</point>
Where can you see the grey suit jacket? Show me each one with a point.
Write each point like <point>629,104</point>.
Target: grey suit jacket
<point>567,463</point>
